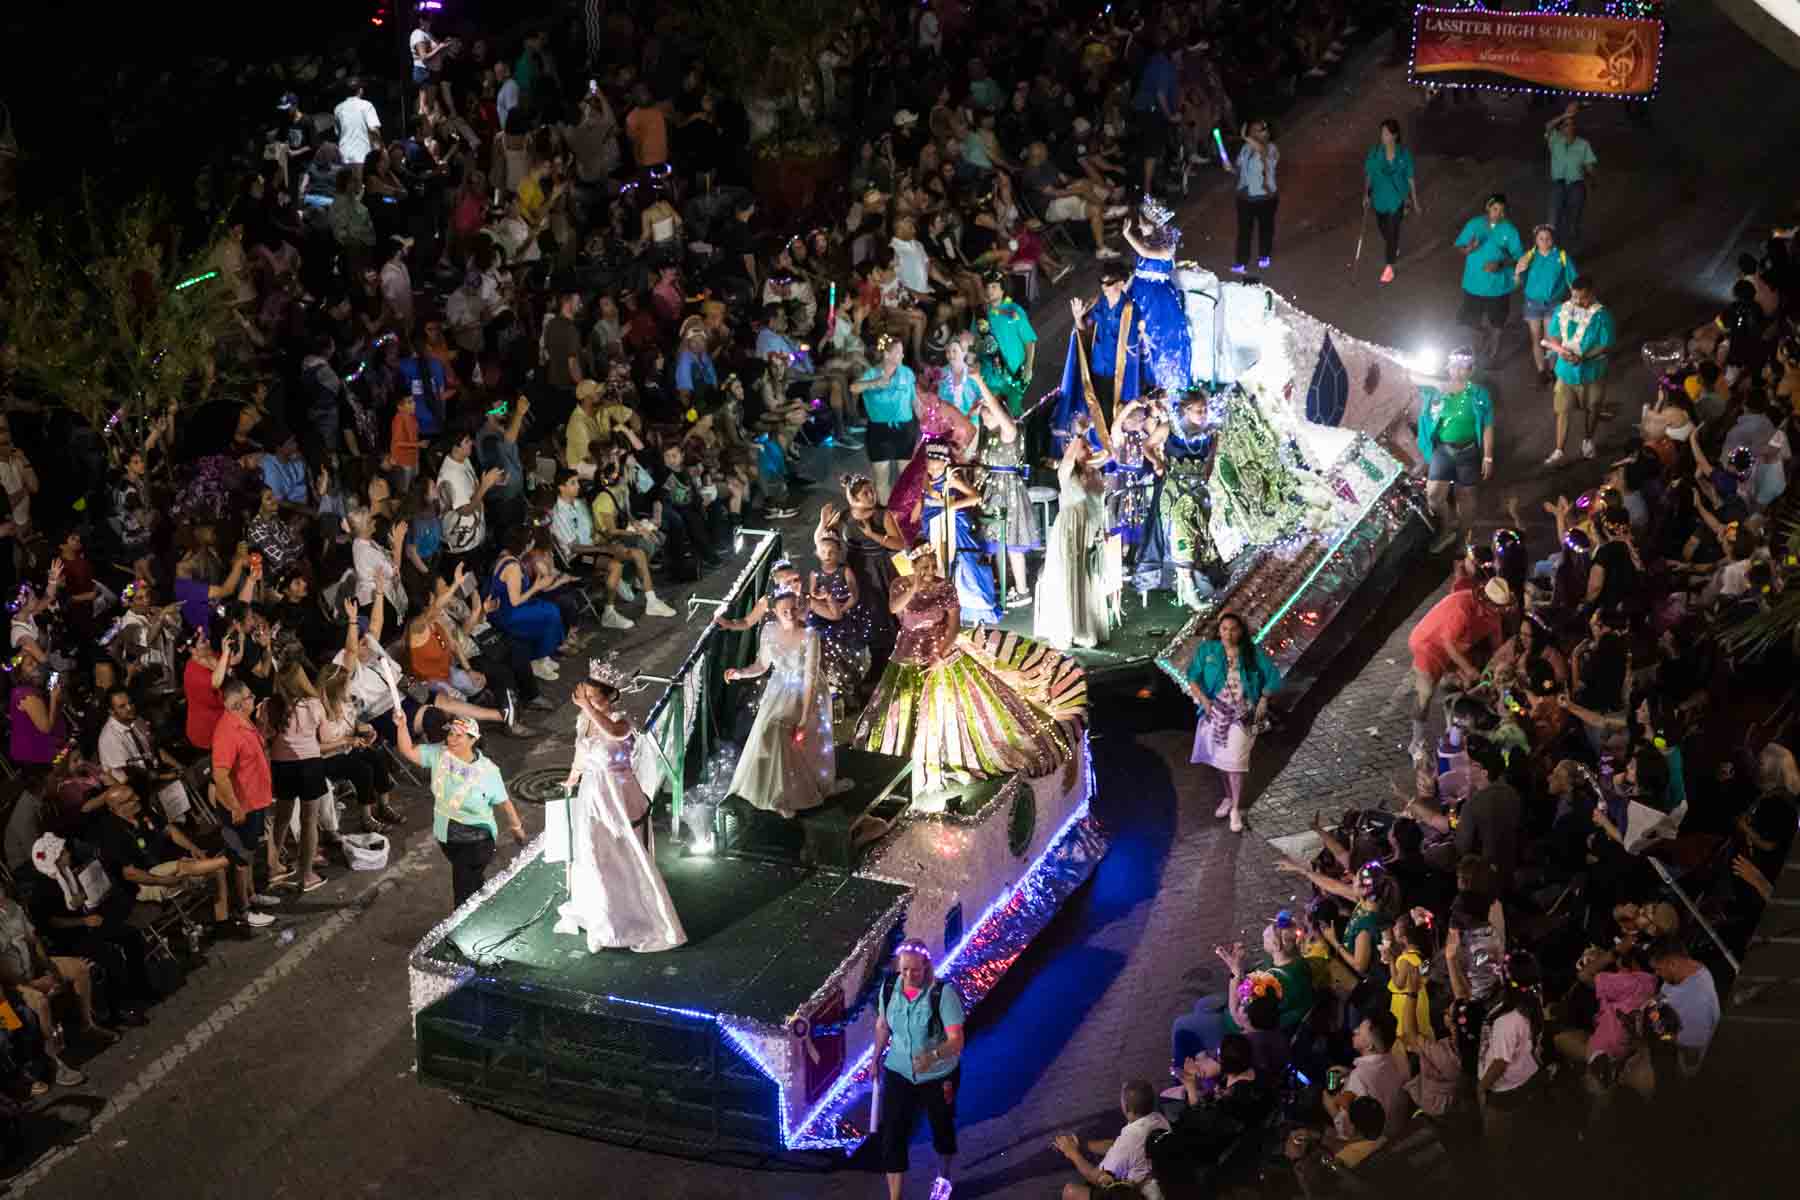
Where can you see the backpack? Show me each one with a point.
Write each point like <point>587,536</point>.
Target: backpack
<point>935,1029</point>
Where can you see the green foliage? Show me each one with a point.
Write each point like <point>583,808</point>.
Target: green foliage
<point>1779,621</point>
<point>767,47</point>
<point>90,302</point>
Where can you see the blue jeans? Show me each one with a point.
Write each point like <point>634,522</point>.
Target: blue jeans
<point>1566,203</point>
<point>1201,1030</point>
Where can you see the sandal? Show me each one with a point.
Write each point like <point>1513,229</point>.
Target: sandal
<point>389,816</point>
<point>281,876</point>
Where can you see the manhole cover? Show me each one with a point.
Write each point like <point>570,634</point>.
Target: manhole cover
<point>538,785</point>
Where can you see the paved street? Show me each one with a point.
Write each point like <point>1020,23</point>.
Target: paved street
<point>283,1069</point>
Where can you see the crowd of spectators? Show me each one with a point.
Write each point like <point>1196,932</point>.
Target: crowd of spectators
<point>514,343</point>
<point>1531,954</point>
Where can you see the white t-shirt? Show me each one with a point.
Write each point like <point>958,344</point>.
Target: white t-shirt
<point>367,687</point>
<point>121,746</point>
<point>458,481</point>
<point>12,481</point>
<point>397,290</point>
<point>911,267</point>
<point>1509,1038</point>
<point>1127,1159</point>
<point>1379,1077</point>
<point>374,569</point>
<point>26,629</point>
<point>357,124</point>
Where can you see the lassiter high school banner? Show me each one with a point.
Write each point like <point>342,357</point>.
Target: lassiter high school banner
<point>1607,57</point>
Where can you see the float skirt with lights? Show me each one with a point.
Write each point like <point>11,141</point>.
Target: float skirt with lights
<point>752,1043</point>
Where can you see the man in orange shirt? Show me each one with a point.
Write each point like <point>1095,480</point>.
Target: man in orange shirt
<point>1445,640</point>
<point>245,788</point>
<point>404,444</point>
<point>648,128</point>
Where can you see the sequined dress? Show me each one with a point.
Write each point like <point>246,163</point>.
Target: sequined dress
<point>1012,522</point>
<point>844,649</point>
<point>777,771</point>
<point>944,702</point>
<point>1156,303</point>
<point>874,567</point>
<point>617,898</point>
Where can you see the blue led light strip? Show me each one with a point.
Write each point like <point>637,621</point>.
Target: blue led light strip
<point>852,1074</point>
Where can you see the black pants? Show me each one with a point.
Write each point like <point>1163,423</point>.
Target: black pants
<point>508,671</point>
<point>365,769</point>
<point>119,950</point>
<point>1389,224</point>
<point>468,866</point>
<point>901,1101</point>
<point>1257,213</point>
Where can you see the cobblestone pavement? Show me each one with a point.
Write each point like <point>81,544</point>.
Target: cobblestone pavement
<point>283,1069</point>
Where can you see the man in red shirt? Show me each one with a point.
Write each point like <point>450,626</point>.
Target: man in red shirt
<point>1445,640</point>
<point>245,788</point>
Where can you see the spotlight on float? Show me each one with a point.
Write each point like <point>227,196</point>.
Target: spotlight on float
<point>1426,360</point>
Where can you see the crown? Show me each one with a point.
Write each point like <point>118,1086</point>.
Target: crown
<point>1155,212</point>
<point>606,671</point>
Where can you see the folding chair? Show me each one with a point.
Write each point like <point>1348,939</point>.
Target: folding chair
<point>1054,231</point>
<point>566,564</point>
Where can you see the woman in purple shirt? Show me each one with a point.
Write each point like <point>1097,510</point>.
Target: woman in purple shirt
<point>39,730</point>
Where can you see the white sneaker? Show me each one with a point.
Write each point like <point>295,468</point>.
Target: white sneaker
<point>1587,448</point>
<point>544,669</point>
<point>627,593</point>
<point>264,900</point>
<point>611,619</point>
<point>1115,211</point>
<point>256,920</point>
<point>1555,459</point>
<point>654,607</point>
<point>1107,252</point>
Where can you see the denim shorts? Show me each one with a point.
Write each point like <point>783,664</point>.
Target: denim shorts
<point>1536,310</point>
<point>1460,465</point>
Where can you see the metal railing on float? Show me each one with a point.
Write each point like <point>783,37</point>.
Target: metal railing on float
<point>683,727</point>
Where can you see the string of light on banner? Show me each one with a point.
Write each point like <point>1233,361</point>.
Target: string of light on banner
<point>1624,10</point>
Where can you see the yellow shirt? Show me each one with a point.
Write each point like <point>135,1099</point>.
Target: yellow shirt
<point>583,430</point>
<point>607,516</point>
<point>532,200</point>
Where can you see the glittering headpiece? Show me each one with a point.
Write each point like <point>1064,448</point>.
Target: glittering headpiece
<point>913,946</point>
<point>856,481</point>
<point>1576,541</point>
<point>1460,358</point>
<point>21,598</point>
<point>883,342</point>
<point>1505,539</point>
<point>921,550</point>
<point>828,535</point>
<point>781,564</point>
<point>784,591</point>
<point>938,451</point>
<point>1156,213</point>
<point>608,673</point>
<point>132,589</point>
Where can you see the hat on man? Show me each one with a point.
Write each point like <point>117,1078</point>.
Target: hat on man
<point>1498,592</point>
<point>587,389</point>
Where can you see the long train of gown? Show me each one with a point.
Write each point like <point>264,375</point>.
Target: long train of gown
<point>777,771</point>
<point>1071,607</point>
<point>616,894</point>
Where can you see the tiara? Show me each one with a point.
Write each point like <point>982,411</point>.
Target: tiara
<point>883,342</point>
<point>938,451</point>
<point>607,673</point>
<point>855,481</point>
<point>913,946</point>
<point>828,535</point>
<point>1155,213</point>
<point>781,564</point>
<point>782,591</point>
<point>921,550</point>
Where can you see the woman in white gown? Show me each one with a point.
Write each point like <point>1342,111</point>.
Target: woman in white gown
<point>1072,608</point>
<point>789,763</point>
<point>616,895</point>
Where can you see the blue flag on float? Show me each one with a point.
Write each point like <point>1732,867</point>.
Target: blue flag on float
<point>1072,401</point>
<point>1329,392</point>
